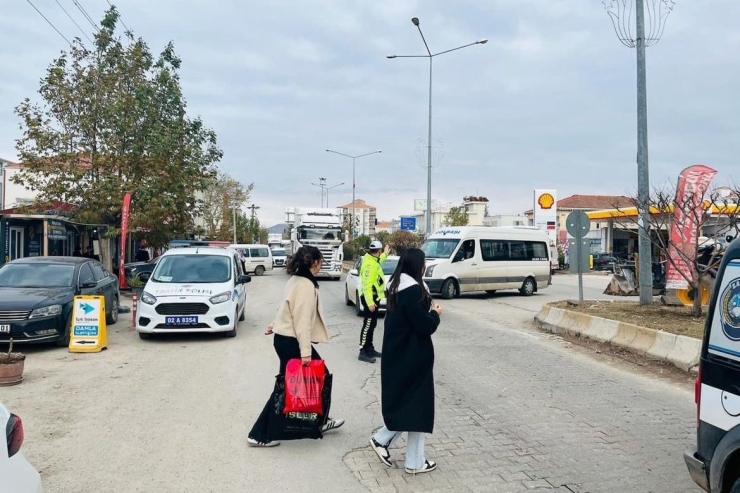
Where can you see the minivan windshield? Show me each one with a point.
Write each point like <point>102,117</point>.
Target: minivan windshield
<point>439,248</point>
<point>193,269</point>
<point>278,252</point>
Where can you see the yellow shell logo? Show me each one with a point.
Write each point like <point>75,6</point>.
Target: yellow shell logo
<point>546,201</point>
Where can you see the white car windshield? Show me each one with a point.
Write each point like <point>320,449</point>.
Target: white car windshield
<point>442,248</point>
<point>193,269</point>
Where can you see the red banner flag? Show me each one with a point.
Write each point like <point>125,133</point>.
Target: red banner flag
<point>124,233</point>
<point>693,183</point>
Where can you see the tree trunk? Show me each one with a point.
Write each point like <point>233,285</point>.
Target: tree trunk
<point>105,253</point>
<point>696,286</point>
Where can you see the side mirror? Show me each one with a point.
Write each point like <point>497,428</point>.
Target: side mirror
<point>89,285</point>
<point>244,279</point>
<point>293,236</point>
<point>144,276</point>
<point>354,272</point>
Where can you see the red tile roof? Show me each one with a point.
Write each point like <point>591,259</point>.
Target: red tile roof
<point>53,208</point>
<point>359,204</point>
<point>593,202</point>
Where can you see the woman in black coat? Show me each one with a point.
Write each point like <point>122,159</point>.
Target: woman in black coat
<point>407,378</point>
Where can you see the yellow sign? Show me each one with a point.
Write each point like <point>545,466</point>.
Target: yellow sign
<point>546,201</point>
<point>88,331</point>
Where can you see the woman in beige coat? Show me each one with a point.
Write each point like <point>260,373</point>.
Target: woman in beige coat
<point>298,323</point>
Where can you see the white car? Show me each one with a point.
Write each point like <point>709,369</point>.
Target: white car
<point>279,257</point>
<point>352,286</point>
<point>17,475</point>
<point>194,289</point>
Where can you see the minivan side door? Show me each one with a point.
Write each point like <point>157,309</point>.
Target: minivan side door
<point>492,274</point>
<point>465,265</point>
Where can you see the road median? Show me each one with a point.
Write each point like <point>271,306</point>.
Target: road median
<point>681,351</point>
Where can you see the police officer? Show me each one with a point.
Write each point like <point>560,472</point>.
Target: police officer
<point>373,290</point>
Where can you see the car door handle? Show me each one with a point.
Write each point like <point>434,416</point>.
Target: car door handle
<point>474,263</point>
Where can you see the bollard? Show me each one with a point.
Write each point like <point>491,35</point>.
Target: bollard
<point>135,300</point>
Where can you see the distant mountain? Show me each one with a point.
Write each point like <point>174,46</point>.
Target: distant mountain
<point>278,228</point>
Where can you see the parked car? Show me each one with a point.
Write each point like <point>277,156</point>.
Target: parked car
<point>17,475</point>
<point>194,289</point>
<point>279,257</point>
<point>352,285</point>
<point>36,295</point>
<point>136,269</point>
<point>604,261</point>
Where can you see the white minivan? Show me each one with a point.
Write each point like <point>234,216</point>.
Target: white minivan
<point>194,289</point>
<point>464,259</point>
<point>256,258</point>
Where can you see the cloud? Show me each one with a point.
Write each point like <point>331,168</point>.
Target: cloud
<point>548,102</point>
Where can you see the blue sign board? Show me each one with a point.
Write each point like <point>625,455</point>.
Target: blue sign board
<point>408,224</point>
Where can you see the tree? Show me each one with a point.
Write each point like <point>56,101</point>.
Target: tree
<point>458,216</point>
<point>401,240</point>
<point>694,214</point>
<point>112,119</point>
<point>347,223</point>
<point>221,195</point>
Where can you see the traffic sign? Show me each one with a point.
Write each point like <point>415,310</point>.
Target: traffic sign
<point>408,224</point>
<point>578,224</point>
<point>88,330</point>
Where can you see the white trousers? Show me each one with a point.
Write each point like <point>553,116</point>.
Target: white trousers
<point>414,445</point>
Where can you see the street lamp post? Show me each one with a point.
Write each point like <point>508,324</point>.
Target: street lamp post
<point>620,12</point>
<point>327,192</point>
<point>431,55</point>
<point>352,222</point>
<point>321,184</point>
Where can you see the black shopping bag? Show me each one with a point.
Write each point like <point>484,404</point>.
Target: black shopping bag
<point>296,426</point>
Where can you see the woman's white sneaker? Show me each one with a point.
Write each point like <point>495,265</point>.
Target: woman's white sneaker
<point>429,466</point>
<point>383,454</point>
<point>254,443</point>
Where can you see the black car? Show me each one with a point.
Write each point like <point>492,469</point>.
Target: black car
<point>135,269</point>
<point>604,261</point>
<point>36,296</point>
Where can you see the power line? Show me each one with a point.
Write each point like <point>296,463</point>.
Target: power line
<point>87,16</point>
<point>75,22</point>
<point>47,20</point>
<point>120,18</point>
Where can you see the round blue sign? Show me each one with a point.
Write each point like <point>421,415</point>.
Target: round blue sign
<point>729,310</point>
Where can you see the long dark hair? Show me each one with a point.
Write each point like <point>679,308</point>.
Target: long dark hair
<point>301,262</point>
<point>411,263</point>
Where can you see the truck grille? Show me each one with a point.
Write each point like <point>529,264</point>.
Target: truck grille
<point>182,309</point>
<point>7,316</point>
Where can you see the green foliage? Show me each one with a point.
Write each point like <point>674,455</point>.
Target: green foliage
<point>383,237</point>
<point>400,241</point>
<point>457,216</point>
<point>362,243</point>
<point>113,119</point>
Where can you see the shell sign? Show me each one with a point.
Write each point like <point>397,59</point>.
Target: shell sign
<point>546,201</point>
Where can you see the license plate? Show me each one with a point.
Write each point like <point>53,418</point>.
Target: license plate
<point>181,320</point>
<point>4,329</point>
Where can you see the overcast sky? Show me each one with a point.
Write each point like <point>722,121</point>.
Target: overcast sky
<point>549,102</point>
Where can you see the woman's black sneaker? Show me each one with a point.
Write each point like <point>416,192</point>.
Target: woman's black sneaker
<point>366,357</point>
<point>372,352</point>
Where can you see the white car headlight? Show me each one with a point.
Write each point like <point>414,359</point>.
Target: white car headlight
<point>46,311</point>
<point>148,298</point>
<point>430,270</point>
<point>220,298</point>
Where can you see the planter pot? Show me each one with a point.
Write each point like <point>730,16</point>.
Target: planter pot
<point>11,373</point>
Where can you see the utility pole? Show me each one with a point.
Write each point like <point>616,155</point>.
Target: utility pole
<point>620,12</point>
<point>322,185</point>
<point>255,233</point>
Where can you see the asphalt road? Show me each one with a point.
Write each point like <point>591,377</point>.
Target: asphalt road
<point>517,410</point>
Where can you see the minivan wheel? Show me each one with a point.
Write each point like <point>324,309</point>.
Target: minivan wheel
<point>259,270</point>
<point>112,317</point>
<point>449,289</point>
<point>529,287</point>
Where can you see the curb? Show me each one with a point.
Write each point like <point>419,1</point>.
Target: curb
<point>681,351</point>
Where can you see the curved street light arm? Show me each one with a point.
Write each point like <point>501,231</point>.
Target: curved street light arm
<point>458,48</point>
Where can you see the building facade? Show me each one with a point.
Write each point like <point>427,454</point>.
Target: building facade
<point>507,221</point>
<point>366,216</point>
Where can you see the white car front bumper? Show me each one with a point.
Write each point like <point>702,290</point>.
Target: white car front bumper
<point>172,315</point>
